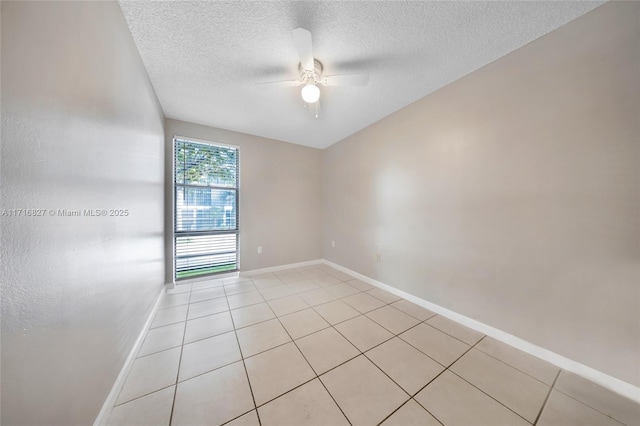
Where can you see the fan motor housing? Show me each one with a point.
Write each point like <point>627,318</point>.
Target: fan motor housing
<point>313,76</point>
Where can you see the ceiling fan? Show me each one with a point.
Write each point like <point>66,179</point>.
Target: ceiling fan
<point>310,72</point>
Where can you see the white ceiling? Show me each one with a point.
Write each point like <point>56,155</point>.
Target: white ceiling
<point>204,58</point>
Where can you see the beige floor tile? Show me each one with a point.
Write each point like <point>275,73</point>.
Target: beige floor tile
<point>241,300</point>
<point>325,280</point>
<point>171,300</point>
<point>291,277</point>
<point>364,393</point>
<point>162,338</point>
<point>336,311</point>
<point>308,405</point>
<point>342,290</point>
<point>562,410</point>
<point>302,286</point>
<point>406,365</point>
<point>260,337</point>
<point>235,280</point>
<point>360,285</point>
<point>284,271</point>
<point>277,371</point>
<point>385,296</point>
<point>207,294</point>
<point>363,302</point>
<point>169,316</point>
<point>249,419</point>
<point>208,307</point>
<point>263,283</point>
<point>363,333</point>
<point>208,326</point>
<point>412,309</point>
<point>301,323</point>
<point>242,287</point>
<point>455,402</point>
<point>261,275</point>
<point>392,319</point>
<point>411,414</point>
<point>180,288</point>
<point>208,354</point>
<point>312,272</point>
<point>342,276</point>
<point>149,374</point>
<point>452,328</point>
<point>433,342</point>
<point>595,396</point>
<point>535,367</point>
<point>518,391</point>
<point>151,410</point>
<point>326,349</point>
<point>206,284</point>
<point>325,268</point>
<point>287,305</point>
<point>317,297</point>
<point>213,398</point>
<point>276,292</point>
<point>252,314</point>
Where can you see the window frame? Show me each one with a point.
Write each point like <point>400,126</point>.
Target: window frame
<point>175,185</point>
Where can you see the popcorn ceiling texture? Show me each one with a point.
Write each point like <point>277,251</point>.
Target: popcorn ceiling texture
<point>204,58</point>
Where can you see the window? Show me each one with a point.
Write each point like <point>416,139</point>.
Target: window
<point>206,208</point>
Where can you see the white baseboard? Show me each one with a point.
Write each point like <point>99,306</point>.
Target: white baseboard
<point>281,267</point>
<point>105,412</point>
<point>615,385</point>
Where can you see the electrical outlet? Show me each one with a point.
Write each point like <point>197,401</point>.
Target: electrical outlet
<point>333,243</point>
<point>378,257</point>
<point>259,249</point>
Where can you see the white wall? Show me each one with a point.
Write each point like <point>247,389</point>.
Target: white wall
<point>512,196</point>
<point>81,129</point>
<point>280,197</point>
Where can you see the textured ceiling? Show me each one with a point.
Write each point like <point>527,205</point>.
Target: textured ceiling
<point>204,58</point>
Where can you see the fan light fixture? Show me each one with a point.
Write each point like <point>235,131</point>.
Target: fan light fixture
<point>310,73</point>
<point>310,93</point>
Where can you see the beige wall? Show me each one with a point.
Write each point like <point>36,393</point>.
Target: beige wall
<point>512,196</point>
<point>280,197</point>
<point>81,129</point>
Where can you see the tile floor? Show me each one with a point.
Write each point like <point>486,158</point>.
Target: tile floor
<point>314,346</point>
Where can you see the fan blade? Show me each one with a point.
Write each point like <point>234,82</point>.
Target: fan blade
<point>302,41</point>
<point>346,80</point>
<point>285,83</point>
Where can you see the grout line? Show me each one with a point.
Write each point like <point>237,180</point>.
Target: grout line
<point>448,334</point>
<point>517,369</point>
<point>309,364</point>
<point>535,422</point>
<point>316,375</point>
<point>586,404</point>
<point>142,396</point>
<point>438,375</point>
<point>243,362</point>
<point>363,354</point>
<point>490,396</point>
<point>394,411</point>
<point>184,333</point>
<point>432,415</point>
<point>243,414</point>
<point>161,350</point>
